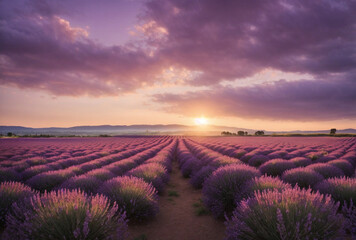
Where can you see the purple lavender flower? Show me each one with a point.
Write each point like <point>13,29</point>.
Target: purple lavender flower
<point>341,189</point>
<point>49,180</point>
<point>278,154</point>
<point>303,177</point>
<point>351,157</point>
<point>8,174</point>
<point>301,161</point>
<point>326,170</point>
<point>224,185</point>
<point>11,192</point>
<point>258,160</point>
<point>133,195</point>
<point>200,176</point>
<point>66,214</point>
<point>262,183</point>
<point>121,167</point>
<point>276,167</point>
<point>344,165</point>
<point>35,170</point>
<point>190,165</point>
<point>288,214</point>
<point>151,173</point>
<point>101,174</point>
<point>224,161</point>
<point>88,184</point>
<point>36,161</point>
<point>349,212</point>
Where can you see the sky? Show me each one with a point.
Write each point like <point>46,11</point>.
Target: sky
<point>272,65</point>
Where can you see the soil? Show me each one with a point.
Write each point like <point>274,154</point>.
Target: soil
<point>180,217</point>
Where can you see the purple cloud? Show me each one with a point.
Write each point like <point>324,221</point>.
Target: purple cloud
<point>234,39</point>
<point>303,100</point>
<point>41,50</point>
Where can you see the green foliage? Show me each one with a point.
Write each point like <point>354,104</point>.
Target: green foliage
<point>173,193</point>
<point>259,133</point>
<point>333,131</point>
<point>241,133</point>
<point>141,237</point>
<point>200,209</point>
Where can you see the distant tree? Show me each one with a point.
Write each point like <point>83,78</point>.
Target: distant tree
<point>259,133</point>
<point>241,133</point>
<point>227,133</point>
<point>10,134</point>
<point>332,131</point>
<point>246,133</point>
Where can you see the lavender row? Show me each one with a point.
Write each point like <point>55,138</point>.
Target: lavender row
<point>112,166</point>
<point>132,196</point>
<point>69,167</point>
<point>67,152</point>
<point>261,203</point>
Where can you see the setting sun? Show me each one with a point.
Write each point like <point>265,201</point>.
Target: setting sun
<point>201,121</point>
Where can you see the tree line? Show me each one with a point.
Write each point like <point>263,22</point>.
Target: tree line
<point>259,133</point>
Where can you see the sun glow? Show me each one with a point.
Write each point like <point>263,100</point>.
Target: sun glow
<point>201,121</point>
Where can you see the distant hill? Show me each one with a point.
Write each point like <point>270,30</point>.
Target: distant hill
<point>173,129</point>
<point>122,130</point>
<point>348,130</point>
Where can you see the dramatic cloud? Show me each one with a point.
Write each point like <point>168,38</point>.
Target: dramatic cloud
<point>41,50</point>
<point>302,100</point>
<point>233,39</point>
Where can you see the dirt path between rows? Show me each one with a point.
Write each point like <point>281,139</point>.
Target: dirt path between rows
<point>178,217</point>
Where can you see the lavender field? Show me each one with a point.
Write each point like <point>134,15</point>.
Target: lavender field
<point>97,188</point>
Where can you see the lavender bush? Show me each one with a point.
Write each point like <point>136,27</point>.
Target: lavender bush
<point>224,161</point>
<point>278,154</point>
<point>8,174</point>
<point>263,183</point>
<point>276,167</point>
<point>341,189</point>
<point>66,215</point>
<point>258,160</point>
<point>326,170</point>
<point>20,166</point>
<point>49,180</point>
<point>101,174</point>
<point>133,195</point>
<point>199,177</point>
<point>301,161</point>
<point>290,214</point>
<point>88,184</point>
<point>351,157</point>
<point>304,177</point>
<point>224,186</point>
<point>344,165</point>
<point>36,161</point>
<point>349,212</point>
<point>190,165</point>
<point>151,173</point>
<point>35,170</point>
<point>11,192</point>
<point>122,166</point>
